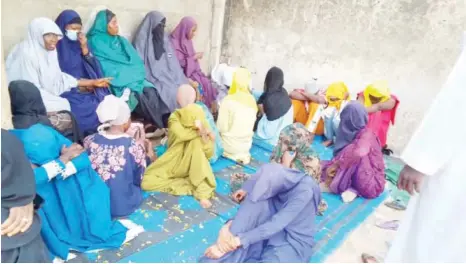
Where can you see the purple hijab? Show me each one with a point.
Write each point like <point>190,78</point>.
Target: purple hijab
<point>185,53</point>
<point>353,118</point>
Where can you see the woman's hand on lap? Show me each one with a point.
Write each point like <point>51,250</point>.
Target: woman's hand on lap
<point>19,220</point>
<point>103,82</point>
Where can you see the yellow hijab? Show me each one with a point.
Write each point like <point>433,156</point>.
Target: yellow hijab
<point>377,89</point>
<point>239,90</point>
<point>338,90</point>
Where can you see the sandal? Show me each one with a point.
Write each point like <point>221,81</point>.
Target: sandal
<point>366,258</point>
<point>389,225</point>
<point>396,205</point>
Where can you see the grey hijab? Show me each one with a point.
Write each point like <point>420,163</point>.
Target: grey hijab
<point>165,73</point>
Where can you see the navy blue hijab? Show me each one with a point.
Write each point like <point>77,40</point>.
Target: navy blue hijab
<point>71,60</point>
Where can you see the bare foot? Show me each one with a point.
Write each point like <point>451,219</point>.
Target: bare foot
<point>366,258</point>
<point>205,203</point>
<point>214,252</point>
<point>327,143</point>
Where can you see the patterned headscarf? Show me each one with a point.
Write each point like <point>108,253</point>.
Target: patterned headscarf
<point>297,138</point>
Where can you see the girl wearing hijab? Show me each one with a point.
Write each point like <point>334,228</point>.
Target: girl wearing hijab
<point>279,204</point>
<point>116,156</point>
<point>21,224</point>
<point>276,106</point>
<point>28,109</point>
<point>35,60</point>
<point>381,106</point>
<point>77,60</point>
<point>236,118</point>
<point>337,96</point>
<point>121,61</point>
<point>357,168</point>
<point>182,40</point>
<point>184,169</point>
<point>76,215</point>
<point>162,67</point>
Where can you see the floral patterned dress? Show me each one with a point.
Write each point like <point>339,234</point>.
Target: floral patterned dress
<point>121,163</point>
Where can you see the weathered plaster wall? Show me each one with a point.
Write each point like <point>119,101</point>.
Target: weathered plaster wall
<point>16,14</point>
<point>411,43</point>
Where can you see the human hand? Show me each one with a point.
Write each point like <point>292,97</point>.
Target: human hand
<point>226,240</point>
<point>71,152</point>
<point>199,55</point>
<point>214,252</point>
<point>239,195</point>
<point>332,170</point>
<point>287,158</point>
<point>82,39</point>
<point>410,180</point>
<point>102,82</point>
<point>19,220</point>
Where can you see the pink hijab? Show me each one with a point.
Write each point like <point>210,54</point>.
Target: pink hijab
<point>183,46</point>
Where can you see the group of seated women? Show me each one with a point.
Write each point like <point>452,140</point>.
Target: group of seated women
<point>58,75</point>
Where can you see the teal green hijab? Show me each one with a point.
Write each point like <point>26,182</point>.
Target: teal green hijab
<point>118,59</point>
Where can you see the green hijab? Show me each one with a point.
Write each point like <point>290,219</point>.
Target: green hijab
<point>118,59</point>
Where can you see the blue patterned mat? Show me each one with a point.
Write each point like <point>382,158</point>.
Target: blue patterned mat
<point>179,230</point>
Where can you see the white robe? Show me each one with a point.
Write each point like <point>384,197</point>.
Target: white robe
<point>434,225</point>
<point>30,61</point>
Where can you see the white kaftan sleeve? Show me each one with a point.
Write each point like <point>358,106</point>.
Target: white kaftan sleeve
<point>70,169</point>
<point>52,169</point>
<point>429,150</point>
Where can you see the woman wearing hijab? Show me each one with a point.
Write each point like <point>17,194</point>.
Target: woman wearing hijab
<point>76,215</point>
<point>357,168</point>
<point>28,109</point>
<point>116,156</point>
<point>337,96</point>
<point>121,61</point>
<point>21,239</point>
<point>182,40</point>
<point>77,60</point>
<point>162,67</point>
<point>279,204</point>
<point>236,118</point>
<point>381,106</point>
<point>308,107</point>
<point>184,169</point>
<point>277,107</point>
<point>35,60</point>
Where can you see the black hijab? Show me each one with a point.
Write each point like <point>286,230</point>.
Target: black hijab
<point>18,187</point>
<point>109,15</point>
<point>158,33</point>
<point>275,98</point>
<point>27,106</point>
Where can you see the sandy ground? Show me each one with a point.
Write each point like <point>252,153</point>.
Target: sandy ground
<point>367,238</point>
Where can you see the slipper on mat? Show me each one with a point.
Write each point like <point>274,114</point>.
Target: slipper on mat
<point>396,205</point>
<point>389,225</point>
<point>366,258</point>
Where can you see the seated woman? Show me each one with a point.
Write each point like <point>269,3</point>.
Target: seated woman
<point>77,60</point>
<point>184,169</point>
<point>357,168</point>
<point>279,203</point>
<point>117,158</point>
<point>27,109</point>
<point>236,118</point>
<point>35,60</point>
<point>276,107</point>
<point>381,106</point>
<point>337,96</point>
<point>121,61</point>
<point>222,77</point>
<point>162,67</point>
<point>76,214</point>
<point>308,107</point>
<point>182,40</point>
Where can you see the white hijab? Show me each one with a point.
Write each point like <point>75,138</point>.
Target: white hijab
<point>30,61</point>
<point>112,111</point>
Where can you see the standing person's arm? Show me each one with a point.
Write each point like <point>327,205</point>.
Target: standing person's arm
<point>425,154</point>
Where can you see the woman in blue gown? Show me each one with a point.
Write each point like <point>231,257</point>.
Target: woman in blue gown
<point>76,59</point>
<point>76,212</point>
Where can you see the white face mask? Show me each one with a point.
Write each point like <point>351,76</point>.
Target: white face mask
<point>72,34</point>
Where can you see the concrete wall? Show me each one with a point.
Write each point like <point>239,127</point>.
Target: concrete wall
<point>411,43</point>
<point>16,14</point>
